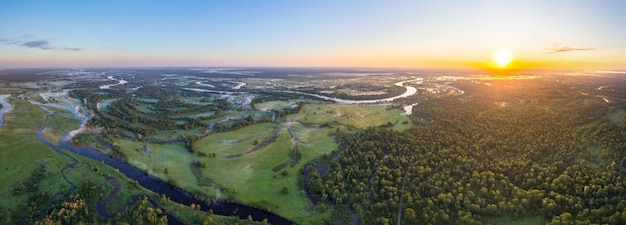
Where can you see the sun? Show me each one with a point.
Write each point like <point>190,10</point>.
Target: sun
<point>502,58</point>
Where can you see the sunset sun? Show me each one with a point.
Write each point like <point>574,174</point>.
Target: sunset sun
<point>502,58</point>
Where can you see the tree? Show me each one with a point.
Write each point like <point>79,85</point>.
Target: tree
<point>209,221</point>
<point>285,190</point>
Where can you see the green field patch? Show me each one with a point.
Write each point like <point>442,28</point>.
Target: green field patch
<point>274,105</point>
<point>144,109</point>
<point>258,185</point>
<point>235,114</point>
<point>59,123</point>
<point>21,153</point>
<point>173,134</point>
<point>528,220</point>
<point>235,142</point>
<point>594,156</point>
<point>313,142</point>
<point>155,158</point>
<point>617,117</point>
<point>195,115</point>
<point>260,176</point>
<point>204,100</point>
<point>148,100</point>
<point>359,116</point>
<point>106,102</point>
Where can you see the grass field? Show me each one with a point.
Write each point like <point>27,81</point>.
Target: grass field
<point>21,153</point>
<point>358,116</point>
<point>274,105</point>
<point>528,220</point>
<point>155,158</point>
<point>58,124</point>
<point>253,174</point>
<point>313,142</point>
<point>235,142</point>
<point>617,117</point>
<point>257,184</point>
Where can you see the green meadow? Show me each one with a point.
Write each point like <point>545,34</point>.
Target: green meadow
<point>21,153</point>
<point>357,116</point>
<point>57,124</point>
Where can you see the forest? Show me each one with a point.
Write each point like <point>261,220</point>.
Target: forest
<point>550,154</point>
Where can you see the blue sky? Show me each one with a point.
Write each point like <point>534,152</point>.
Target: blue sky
<point>429,34</point>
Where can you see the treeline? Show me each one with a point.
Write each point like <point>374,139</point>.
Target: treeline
<point>468,160</point>
<point>125,114</point>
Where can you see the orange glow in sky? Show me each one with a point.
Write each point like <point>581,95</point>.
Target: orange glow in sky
<point>420,34</point>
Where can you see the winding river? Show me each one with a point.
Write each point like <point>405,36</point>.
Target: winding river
<point>150,182</point>
<point>5,107</point>
<point>119,82</point>
<point>409,91</point>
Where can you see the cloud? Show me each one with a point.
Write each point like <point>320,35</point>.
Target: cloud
<point>73,49</point>
<point>39,44</point>
<point>8,42</point>
<point>558,48</point>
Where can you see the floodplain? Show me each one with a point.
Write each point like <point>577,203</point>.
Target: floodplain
<point>310,146</point>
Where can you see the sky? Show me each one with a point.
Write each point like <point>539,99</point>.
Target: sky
<point>322,33</point>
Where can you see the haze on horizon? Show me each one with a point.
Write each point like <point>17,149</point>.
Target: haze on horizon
<point>421,34</point>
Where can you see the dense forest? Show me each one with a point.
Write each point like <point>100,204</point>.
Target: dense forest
<point>549,153</point>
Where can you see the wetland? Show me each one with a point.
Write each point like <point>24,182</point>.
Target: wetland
<point>193,146</point>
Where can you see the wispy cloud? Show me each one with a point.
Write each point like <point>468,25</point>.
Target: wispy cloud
<point>558,48</point>
<point>41,44</point>
<point>73,49</point>
<point>8,42</point>
<point>38,44</point>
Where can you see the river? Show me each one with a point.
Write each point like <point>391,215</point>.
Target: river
<point>409,91</point>
<point>408,110</point>
<point>152,183</point>
<point>5,107</point>
<point>119,82</point>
